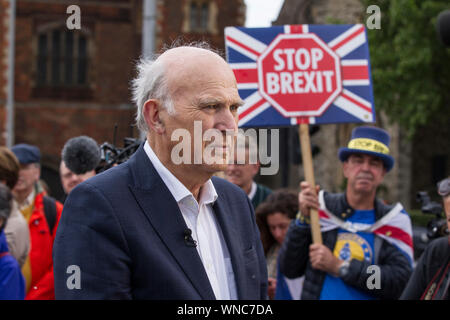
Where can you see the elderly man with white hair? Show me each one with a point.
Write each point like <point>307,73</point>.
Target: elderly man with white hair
<point>158,228</point>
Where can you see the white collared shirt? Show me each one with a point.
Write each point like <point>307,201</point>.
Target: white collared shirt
<point>252,191</point>
<point>200,218</point>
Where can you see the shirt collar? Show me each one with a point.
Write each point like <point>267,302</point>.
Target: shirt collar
<point>252,191</point>
<point>28,201</point>
<point>208,193</point>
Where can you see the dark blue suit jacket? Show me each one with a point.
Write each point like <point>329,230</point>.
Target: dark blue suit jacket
<point>125,232</point>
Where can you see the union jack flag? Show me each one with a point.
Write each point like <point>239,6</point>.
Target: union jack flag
<point>395,227</point>
<point>353,104</point>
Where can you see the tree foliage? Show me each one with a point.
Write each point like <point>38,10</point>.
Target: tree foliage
<point>410,66</point>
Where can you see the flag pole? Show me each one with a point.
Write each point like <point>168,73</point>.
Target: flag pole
<point>309,176</point>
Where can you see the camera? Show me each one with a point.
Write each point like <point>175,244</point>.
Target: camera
<point>111,155</point>
<point>437,227</point>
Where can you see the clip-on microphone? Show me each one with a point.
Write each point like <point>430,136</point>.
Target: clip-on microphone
<point>188,238</point>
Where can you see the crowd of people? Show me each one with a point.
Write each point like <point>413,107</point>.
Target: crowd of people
<point>152,229</point>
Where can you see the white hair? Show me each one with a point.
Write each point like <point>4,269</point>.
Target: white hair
<point>150,83</point>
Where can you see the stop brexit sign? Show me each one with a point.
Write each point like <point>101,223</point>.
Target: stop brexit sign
<point>301,73</point>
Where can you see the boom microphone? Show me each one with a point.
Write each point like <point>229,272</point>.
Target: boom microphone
<point>443,27</point>
<point>81,154</point>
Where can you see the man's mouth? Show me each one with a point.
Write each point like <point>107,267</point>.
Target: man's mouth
<point>364,179</point>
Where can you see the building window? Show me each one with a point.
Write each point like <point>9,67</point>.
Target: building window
<point>62,59</point>
<point>194,16</point>
<point>201,17</point>
<point>204,17</point>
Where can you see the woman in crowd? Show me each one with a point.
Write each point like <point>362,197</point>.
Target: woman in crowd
<point>273,217</point>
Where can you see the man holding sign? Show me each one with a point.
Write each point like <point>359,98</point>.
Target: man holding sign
<point>367,245</point>
<point>320,74</point>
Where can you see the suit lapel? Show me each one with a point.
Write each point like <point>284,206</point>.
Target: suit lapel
<point>224,217</point>
<point>164,215</point>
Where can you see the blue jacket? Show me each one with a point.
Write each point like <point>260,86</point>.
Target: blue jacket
<point>124,233</point>
<point>12,283</point>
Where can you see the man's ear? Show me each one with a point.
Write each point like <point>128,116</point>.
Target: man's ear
<point>152,116</point>
<point>344,168</point>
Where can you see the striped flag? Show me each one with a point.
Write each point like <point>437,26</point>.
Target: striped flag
<point>244,47</point>
<point>395,227</point>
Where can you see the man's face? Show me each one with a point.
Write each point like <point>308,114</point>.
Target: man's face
<point>28,175</point>
<point>241,174</point>
<point>203,89</point>
<point>364,173</point>
<point>70,180</point>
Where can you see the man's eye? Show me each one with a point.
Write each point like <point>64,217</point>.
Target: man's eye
<point>234,108</point>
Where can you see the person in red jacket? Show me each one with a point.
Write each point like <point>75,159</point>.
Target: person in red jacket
<point>38,267</point>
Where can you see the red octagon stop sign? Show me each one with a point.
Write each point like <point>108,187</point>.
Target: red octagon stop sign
<point>299,75</point>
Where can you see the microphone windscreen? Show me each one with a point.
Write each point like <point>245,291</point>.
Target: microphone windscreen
<point>443,27</point>
<point>81,154</point>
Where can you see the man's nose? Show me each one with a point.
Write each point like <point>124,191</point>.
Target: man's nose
<point>76,178</point>
<point>226,120</point>
<point>366,166</point>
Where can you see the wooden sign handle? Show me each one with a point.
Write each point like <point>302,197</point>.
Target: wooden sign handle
<point>309,175</point>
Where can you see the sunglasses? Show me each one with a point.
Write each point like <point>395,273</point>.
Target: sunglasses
<point>444,187</point>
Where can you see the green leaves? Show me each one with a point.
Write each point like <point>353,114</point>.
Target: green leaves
<point>410,66</point>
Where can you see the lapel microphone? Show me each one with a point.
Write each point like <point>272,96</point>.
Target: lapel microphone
<point>188,238</point>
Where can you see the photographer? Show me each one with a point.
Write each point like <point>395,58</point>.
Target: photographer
<point>431,278</point>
